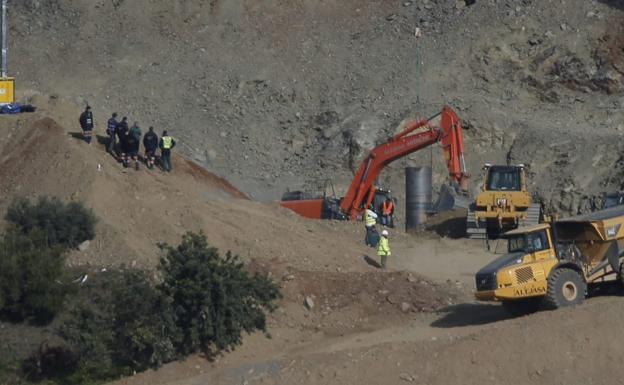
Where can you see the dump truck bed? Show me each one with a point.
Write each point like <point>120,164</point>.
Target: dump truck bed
<point>598,235</point>
<point>603,225</point>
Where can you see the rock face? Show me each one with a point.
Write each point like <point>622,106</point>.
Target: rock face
<point>274,105</point>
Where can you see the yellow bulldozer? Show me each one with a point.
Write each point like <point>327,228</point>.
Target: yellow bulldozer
<point>552,264</point>
<point>503,203</point>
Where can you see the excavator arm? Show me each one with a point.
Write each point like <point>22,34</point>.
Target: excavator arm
<point>448,133</point>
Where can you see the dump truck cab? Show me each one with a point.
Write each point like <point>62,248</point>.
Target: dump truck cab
<point>554,262</point>
<point>521,271</point>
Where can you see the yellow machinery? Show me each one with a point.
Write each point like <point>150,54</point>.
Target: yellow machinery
<point>551,264</point>
<point>7,88</point>
<point>503,203</point>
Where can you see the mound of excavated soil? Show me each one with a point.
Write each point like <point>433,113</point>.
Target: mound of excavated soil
<point>138,209</point>
<point>339,303</point>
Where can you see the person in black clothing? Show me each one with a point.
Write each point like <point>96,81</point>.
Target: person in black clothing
<point>124,148</point>
<point>121,130</point>
<point>133,149</point>
<point>135,131</point>
<point>111,127</point>
<point>86,123</point>
<point>150,142</point>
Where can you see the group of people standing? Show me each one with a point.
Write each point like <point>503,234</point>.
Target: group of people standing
<point>124,142</point>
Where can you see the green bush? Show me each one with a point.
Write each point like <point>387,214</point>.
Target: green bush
<point>214,298</point>
<point>118,323</point>
<point>67,224</point>
<point>31,277</point>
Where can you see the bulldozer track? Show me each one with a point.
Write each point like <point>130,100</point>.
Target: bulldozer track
<point>534,213</point>
<point>476,230</point>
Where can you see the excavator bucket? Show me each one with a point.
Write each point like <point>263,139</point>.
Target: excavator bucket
<point>450,199</point>
<point>449,213</point>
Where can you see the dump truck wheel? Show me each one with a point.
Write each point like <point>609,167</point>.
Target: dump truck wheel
<point>522,307</point>
<point>565,288</point>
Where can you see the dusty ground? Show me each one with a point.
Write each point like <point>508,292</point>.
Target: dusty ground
<point>276,94</point>
<point>415,322</point>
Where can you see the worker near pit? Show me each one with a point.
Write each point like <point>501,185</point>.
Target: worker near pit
<point>166,144</point>
<point>86,123</point>
<point>370,220</point>
<point>387,212</point>
<point>111,127</point>
<point>133,143</point>
<point>383,249</point>
<point>121,131</point>
<point>150,142</point>
<point>124,147</point>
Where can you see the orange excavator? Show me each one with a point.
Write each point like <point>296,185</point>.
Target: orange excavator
<point>362,191</point>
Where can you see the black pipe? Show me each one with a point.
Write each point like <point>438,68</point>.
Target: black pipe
<point>417,195</point>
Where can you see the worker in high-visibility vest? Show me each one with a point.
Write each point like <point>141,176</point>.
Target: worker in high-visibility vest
<point>166,144</point>
<point>383,249</point>
<point>370,219</point>
<point>387,210</point>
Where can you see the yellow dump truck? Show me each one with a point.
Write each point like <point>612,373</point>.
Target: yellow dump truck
<point>551,264</point>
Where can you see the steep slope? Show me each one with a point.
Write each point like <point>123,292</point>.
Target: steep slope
<point>276,94</point>
<point>136,210</point>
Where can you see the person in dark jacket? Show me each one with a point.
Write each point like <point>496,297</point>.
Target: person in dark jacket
<point>166,144</point>
<point>86,123</point>
<point>134,142</point>
<point>111,127</point>
<point>136,131</point>
<point>150,142</point>
<point>121,131</point>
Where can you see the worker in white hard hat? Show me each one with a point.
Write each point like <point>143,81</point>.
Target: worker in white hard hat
<point>383,248</point>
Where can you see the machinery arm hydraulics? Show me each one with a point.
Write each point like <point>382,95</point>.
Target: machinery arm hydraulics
<point>448,133</point>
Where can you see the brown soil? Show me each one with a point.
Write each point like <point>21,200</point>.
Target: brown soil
<point>412,323</point>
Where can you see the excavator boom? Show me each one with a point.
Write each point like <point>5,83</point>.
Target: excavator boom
<point>417,135</point>
<point>448,133</point>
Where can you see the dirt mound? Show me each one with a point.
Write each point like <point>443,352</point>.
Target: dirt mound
<point>136,210</point>
<point>339,303</point>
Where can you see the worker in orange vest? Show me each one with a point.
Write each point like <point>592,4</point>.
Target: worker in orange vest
<point>387,210</point>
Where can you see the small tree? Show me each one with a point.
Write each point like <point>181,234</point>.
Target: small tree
<point>116,324</point>
<point>31,277</point>
<point>66,224</point>
<point>214,298</point>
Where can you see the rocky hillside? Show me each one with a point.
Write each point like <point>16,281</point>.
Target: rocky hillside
<point>276,94</point>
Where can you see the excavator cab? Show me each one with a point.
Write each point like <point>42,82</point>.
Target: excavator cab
<point>503,203</point>
<point>381,195</point>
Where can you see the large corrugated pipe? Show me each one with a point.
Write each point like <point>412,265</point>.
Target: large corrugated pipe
<point>417,196</point>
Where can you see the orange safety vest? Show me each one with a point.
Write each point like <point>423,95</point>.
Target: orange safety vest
<point>388,207</point>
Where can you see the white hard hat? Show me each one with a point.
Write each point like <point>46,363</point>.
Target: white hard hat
<point>385,232</point>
